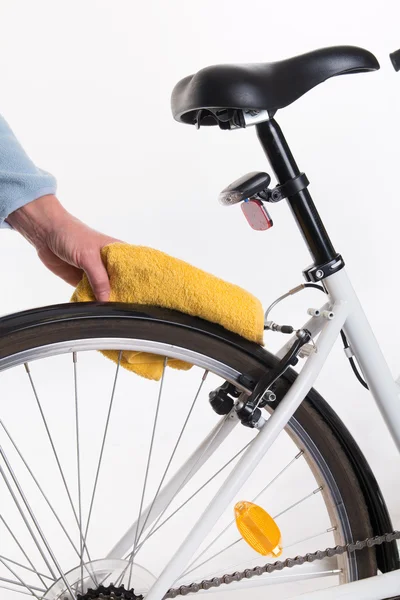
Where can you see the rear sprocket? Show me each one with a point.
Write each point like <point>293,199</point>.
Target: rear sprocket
<point>110,592</point>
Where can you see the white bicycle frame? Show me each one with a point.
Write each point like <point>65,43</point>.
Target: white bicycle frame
<point>349,316</point>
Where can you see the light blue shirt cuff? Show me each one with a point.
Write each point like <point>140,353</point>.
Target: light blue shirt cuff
<point>21,181</point>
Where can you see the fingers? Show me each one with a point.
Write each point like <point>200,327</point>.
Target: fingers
<point>98,277</point>
<point>70,247</point>
<point>70,274</point>
<point>67,272</point>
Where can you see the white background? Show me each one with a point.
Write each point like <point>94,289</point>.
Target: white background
<point>86,87</point>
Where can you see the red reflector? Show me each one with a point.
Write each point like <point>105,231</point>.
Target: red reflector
<point>256,215</point>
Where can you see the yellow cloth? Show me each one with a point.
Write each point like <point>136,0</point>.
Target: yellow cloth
<point>146,276</point>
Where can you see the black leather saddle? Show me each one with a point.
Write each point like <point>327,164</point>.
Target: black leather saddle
<point>197,99</point>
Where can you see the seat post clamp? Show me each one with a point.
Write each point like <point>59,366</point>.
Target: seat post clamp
<point>287,189</point>
<point>316,273</point>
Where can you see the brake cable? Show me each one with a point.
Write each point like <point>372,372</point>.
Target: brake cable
<point>289,329</point>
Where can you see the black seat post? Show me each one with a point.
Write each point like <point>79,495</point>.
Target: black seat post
<point>301,203</point>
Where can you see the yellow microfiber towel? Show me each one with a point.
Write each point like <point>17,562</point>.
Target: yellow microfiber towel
<point>143,275</point>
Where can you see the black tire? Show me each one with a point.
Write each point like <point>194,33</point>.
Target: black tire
<point>32,329</point>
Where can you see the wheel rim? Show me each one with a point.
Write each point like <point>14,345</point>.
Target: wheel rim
<point>63,350</point>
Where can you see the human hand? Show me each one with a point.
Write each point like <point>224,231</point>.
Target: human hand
<point>64,244</point>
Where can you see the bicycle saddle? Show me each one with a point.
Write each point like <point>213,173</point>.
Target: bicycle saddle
<point>217,90</point>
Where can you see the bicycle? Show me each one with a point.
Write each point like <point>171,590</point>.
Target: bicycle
<point>259,398</point>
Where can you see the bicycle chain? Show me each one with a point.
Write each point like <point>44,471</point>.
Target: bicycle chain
<point>206,584</point>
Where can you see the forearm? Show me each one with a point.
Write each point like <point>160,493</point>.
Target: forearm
<point>37,218</point>
<point>28,204</point>
<point>21,181</point>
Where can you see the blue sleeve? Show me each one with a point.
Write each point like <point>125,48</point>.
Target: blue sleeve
<point>20,180</point>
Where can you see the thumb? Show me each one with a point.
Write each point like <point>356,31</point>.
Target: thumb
<point>98,278</point>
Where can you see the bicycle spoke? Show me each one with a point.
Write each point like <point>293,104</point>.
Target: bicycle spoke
<point>18,505</point>
<point>20,546</point>
<point>40,490</point>
<point>187,478</point>
<point>24,461</point>
<point>316,491</point>
<point>78,461</point>
<point>14,562</point>
<point>27,369</point>
<point>211,557</point>
<point>203,379</point>
<point>5,587</point>
<point>310,537</point>
<point>148,465</point>
<point>102,446</point>
<point>195,493</point>
<point>34,520</point>
<point>21,581</point>
<point>298,455</point>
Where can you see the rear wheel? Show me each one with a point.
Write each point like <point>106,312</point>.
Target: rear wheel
<point>87,449</point>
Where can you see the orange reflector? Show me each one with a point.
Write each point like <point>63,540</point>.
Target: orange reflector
<point>258,528</point>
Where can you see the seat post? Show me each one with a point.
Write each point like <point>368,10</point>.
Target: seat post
<point>301,203</point>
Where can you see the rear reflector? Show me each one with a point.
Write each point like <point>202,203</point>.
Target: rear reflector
<point>256,214</point>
